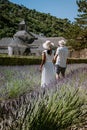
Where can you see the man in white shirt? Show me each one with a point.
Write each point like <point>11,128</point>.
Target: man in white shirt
<point>61,56</point>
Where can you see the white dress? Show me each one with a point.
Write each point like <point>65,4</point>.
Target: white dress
<point>48,71</point>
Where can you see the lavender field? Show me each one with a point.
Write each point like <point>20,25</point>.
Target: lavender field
<point>60,106</point>
<point>16,80</point>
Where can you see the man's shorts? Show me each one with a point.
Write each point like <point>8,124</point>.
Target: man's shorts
<point>60,69</point>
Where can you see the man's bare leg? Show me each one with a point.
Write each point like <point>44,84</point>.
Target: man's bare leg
<point>57,77</point>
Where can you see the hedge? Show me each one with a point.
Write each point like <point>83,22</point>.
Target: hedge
<point>20,60</point>
<point>32,60</point>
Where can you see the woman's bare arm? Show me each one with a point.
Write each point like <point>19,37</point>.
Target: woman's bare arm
<point>43,60</point>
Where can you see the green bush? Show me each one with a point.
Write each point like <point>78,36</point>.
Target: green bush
<point>31,60</point>
<point>76,60</point>
<point>20,60</point>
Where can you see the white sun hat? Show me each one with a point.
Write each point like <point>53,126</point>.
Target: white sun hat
<point>62,43</point>
<point>48,44</point>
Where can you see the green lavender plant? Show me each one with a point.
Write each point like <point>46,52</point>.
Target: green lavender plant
<point>57,111</point>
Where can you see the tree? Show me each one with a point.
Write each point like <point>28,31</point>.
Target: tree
<point>82,21</point>
<point>82,9</point>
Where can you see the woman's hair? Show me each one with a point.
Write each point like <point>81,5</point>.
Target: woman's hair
<point>49,52</point>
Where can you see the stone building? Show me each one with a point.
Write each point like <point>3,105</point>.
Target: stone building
<point>28,43</point>
<point>20,41</point>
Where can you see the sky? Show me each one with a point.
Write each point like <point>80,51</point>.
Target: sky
<point>59,8</point>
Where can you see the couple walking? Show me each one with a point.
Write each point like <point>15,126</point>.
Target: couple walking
<point>53,63</point>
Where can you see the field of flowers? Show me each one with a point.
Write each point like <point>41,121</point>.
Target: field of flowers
<point>16,80</point>
<point>60,106</point>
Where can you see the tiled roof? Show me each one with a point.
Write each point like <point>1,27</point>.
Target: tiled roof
<point>23,34</point>
<point>4,42</point>
<point>38,43</point>
<point>22,22</point>
<point>36,46</point>
<point>16,42</point>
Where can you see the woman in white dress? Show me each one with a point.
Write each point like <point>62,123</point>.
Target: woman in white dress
<point>47,66</point>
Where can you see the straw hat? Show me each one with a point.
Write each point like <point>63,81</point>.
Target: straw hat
<point>62,43</point>
<point>48,44</point>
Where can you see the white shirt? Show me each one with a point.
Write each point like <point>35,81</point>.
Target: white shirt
<point>62,53</point>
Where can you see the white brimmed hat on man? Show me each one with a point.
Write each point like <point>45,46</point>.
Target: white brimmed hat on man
<point>62,43</point>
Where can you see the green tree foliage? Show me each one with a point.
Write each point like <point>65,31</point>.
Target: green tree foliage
<point>82,9</point>
<point>40,23</point>
<point>82,21</point>
<point>12,14</point>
